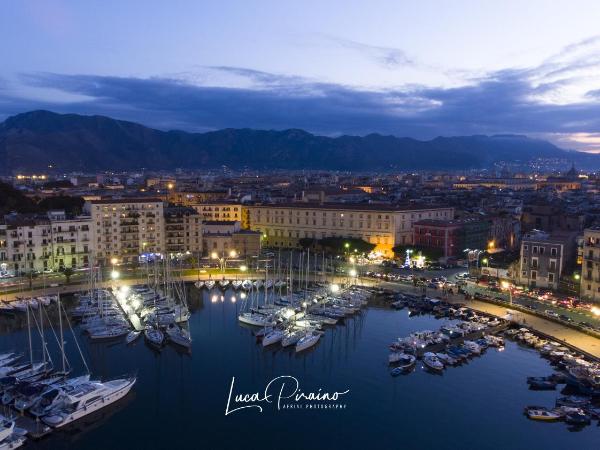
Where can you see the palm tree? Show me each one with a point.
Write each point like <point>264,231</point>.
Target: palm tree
<point>68,272</point>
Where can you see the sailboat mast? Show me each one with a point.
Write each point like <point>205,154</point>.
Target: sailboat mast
<point>62,339</point>
<point>29,333</point>
<point>41,307</point>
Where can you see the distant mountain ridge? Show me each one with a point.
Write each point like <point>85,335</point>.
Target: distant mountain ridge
<point>70,142</point>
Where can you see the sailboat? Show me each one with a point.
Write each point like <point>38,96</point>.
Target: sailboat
<point>179,336</point>
<point>307,341</point>
<point>273,337</point>
<point>154,337</point>
<point>132,336</point>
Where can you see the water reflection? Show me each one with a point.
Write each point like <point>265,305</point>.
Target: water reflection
<point>179,399</point>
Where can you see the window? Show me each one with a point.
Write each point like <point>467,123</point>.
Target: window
<point>553,251</point>
<point>533,275</point>
<point>551,278</point>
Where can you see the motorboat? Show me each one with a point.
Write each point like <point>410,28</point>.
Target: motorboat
<point>472,347</point>
<point>246,285</point>
<point>540,413</point>
<point>209,284</point>
<point>236,284</point>
<point>199,284</point>
<point>87,398</point>
<point>224,283</point>
<point>432,362</point>
<point>32,396</point>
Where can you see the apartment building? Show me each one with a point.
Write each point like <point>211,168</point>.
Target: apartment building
<point>192,198</point>
<point>220,210</point>
<point>126,228</point>
<point>37,243</point>
<point>183,230</point>
<point>451,237</point>
<point>544,257</point>
<point>283,225</point>
<point>226,236</point>
<point>590,267</point>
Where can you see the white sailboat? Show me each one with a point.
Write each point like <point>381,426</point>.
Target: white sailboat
<point>307,341</point>
<point>273,337</point>
<point>179,336</point>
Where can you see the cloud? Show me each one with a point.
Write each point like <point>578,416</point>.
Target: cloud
<point>531,101</point>
<point>388,57</point>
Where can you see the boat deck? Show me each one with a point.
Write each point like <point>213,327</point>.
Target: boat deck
<point>459,340</point>
<point>36,429</point>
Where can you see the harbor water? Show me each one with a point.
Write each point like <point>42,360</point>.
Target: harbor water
<point>180,399</point>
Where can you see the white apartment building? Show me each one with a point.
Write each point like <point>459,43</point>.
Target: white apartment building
<point>37,243</point>
<point>126,228</point>
<point>283,225</point>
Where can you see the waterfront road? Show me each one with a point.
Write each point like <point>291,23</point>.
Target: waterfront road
<point>571,336</point>
<point>560,332</point>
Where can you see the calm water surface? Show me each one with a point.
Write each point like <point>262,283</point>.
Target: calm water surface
<point>179,399</point>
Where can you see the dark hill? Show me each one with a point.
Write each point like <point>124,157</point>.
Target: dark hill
<point>34,140</point>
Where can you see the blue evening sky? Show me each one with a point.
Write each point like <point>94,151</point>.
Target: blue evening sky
<point>419,69</point>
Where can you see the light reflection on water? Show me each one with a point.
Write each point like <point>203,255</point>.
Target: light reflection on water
<point>179,400</point>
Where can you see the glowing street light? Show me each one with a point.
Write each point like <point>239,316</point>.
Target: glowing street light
<point>115,274</point>
<point>243,268</point>
<point>335,288</point>
<point>595,311</point>
<point>214,255</point>
<point>114,261</point>
<point>353,273</point>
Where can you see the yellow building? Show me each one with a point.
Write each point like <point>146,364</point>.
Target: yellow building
<point>283,225</point>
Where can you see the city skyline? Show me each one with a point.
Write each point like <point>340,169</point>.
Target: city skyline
<point>408,70</point>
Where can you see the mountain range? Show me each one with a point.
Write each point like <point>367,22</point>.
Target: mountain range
<point>35,140</point>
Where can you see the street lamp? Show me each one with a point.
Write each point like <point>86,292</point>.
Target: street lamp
<point>334,288</point>
<point>506,285</point>
<point>115,274</point>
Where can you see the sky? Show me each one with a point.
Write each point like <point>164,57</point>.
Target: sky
<point>418,69</point>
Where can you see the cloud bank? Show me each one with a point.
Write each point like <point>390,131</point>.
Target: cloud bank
<point>557,99</point>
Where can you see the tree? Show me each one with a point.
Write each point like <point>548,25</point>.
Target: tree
<point>342,245</point>
<point>307,242</point>
<point>68,273</point>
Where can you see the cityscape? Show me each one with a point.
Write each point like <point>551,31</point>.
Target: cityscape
<point>308,254</point>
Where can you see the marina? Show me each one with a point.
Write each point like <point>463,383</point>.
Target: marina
<point>350,352</point>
